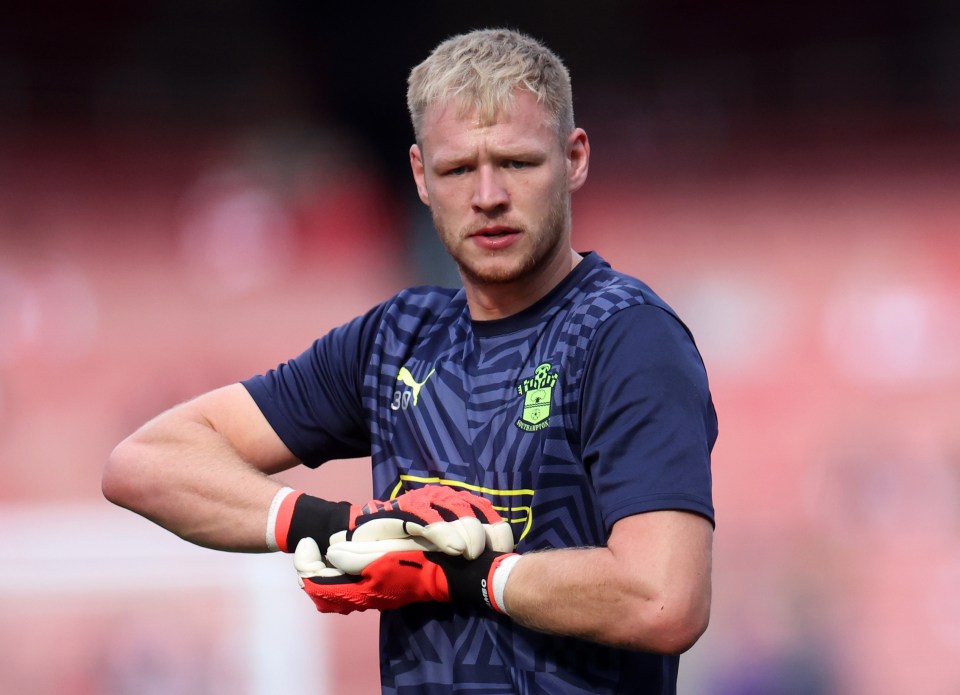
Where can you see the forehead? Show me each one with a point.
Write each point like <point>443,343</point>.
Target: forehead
<point>523,122</point>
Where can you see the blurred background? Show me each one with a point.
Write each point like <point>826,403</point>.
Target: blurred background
<point>191,192</point>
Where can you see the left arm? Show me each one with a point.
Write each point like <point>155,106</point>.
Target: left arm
<point>649,589</point>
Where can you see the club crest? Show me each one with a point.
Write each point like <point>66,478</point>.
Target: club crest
<point>537,392</point>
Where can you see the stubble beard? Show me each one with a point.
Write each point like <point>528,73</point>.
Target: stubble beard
<point>549,231</point>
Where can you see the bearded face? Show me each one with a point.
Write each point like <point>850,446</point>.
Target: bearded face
<point>499,194</point>
<point>507,247</point>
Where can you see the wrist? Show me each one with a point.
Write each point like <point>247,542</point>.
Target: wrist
<point>498,582</point>
<point>295,515</point>
<point>279,517</point>
<point>477,582</point>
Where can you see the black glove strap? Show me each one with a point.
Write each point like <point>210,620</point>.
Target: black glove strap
<point>467,579</point>
<point>317,519</point>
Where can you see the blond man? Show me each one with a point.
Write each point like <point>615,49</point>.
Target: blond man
<point>540,438</point>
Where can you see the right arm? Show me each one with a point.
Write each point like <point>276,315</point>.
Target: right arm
<point>202,470</point>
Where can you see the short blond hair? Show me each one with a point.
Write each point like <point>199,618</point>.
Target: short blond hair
<point>483,69</point>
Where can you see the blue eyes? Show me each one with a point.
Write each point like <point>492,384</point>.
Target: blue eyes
<point>513,164</point>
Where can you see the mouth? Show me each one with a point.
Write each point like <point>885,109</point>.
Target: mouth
<point>495,238</point>
<point>495,232</point>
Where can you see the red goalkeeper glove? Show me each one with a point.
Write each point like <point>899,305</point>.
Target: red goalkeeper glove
<point>456,522</point>
<point>398,578</point>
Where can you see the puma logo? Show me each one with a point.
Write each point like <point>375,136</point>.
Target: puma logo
<point>406,378</point>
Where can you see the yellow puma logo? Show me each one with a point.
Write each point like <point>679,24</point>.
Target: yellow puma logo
<point>406,378</point>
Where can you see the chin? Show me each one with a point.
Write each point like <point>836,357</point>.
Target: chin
<point>497,273</point>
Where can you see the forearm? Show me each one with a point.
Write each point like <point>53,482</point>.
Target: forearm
<point>657,601</point>
<point>185,476</point>
<point>578,593</point>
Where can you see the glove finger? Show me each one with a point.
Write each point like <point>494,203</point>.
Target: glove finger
<point>331,595</point>
<point>309,563</point>
<point>307,555</point>
<point>482,508</point>
<point>322,572</point>
<point>397,521</point>
<point>476,538</point>
<point>435,503</point>
<point>463,536</point>
<point>425,506</point>
<point>376,529</point>
<point>353,557</point>
<point>445,535</point>
<point>499,537</point>
<point>455,536</point>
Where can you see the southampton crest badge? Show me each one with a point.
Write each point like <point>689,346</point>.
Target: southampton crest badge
<point>537,392</point>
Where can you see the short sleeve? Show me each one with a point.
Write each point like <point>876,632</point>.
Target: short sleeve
<point>647,417</point>
<point>314,401</point>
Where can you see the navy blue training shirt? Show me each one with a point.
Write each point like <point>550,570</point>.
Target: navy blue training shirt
<point>589,406</point>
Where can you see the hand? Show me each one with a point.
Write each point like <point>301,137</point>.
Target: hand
<point>396,578</point>
<point>455,522</point>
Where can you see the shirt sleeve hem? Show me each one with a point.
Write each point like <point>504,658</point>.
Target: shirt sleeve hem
<point>658,503</point>
<point>261,396</point>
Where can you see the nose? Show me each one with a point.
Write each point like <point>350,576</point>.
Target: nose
<point>490,193</point>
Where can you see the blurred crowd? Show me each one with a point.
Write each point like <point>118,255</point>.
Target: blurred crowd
<point>190,194</point>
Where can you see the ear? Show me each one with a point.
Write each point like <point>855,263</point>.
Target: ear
<point>419,175</point>
<point>578,158</point>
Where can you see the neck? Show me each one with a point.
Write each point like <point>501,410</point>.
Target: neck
<point>490,301</point>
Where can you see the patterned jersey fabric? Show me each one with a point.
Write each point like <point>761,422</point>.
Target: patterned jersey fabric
<point>587,407</point>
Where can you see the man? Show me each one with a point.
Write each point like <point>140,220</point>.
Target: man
<point>550,388</point>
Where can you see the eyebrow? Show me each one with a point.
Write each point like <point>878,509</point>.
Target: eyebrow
<point>521,153</point>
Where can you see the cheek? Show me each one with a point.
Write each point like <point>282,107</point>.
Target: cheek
<point>444,196</point>
<point>538,196</point>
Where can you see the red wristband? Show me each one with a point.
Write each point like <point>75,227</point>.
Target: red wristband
<point>284,515</point>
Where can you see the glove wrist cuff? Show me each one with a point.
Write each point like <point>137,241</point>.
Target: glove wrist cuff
<point>499,572</point>
<point>295,515</point>
<point>474,581</point>
<point>277,519</point>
